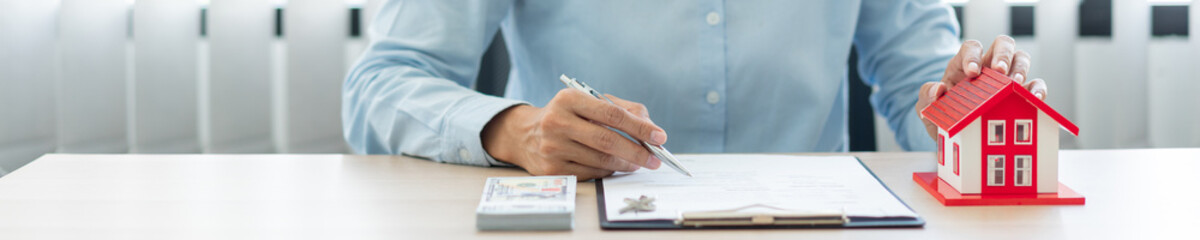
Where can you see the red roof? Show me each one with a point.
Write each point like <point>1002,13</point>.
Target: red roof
<point>968,99</point>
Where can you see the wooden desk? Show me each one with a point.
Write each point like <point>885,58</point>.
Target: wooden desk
<point>1130,194</point>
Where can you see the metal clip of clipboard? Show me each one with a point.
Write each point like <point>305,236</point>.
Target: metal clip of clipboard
<point>762,215</point>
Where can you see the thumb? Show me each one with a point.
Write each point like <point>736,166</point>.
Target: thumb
<point>929,92</point>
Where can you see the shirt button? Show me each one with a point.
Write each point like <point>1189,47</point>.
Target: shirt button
<point>464,154</point>
<point>714,18</point>
<point>713,97</point>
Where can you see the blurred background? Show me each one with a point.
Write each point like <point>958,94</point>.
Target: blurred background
<point>264,76</point>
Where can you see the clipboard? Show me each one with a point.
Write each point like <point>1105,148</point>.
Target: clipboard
<point>739,218</point>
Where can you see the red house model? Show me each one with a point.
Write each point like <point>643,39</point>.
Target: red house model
<point>997,145</point>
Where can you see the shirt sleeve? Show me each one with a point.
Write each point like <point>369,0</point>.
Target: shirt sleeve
<point>902,45</point>
<point>408,94</point>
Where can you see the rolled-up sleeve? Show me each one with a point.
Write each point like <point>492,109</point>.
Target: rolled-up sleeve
<point>409,93</point>
<point>902,45</point>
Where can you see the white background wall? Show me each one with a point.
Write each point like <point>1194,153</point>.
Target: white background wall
<point>95,76</point>
<point>115,76</point>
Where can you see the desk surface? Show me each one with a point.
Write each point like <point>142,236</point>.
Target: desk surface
<point>1148,193</point>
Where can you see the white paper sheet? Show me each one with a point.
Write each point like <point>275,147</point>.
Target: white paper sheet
<point>730,181</point>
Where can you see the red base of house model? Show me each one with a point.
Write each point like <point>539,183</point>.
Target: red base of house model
<point>951,197</point>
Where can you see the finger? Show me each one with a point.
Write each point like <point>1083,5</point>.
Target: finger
<point>633,107</point>
<point>607,141</point>
<point>965,64</point>
<point>583,173</point>
<point>999,55</point>
<point>619,118</point>
<point>1020,66</point>
<point>933,90</point>
<point>587,156</point>
<point>1037,86</point>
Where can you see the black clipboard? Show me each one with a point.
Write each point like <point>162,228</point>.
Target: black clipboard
<point>853,222</point>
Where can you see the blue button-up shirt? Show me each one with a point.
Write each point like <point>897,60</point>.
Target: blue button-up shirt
<point>718,76</point>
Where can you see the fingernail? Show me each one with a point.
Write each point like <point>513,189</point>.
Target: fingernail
<point>933,91</point>
<point>653,162</point>
<point>658,137</point>
<point>972,68</point>
<point>1002,67</point>
<point>1039,95</point>
<point>1019,78</point>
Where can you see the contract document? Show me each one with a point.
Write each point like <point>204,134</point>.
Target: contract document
<point>764,184</point>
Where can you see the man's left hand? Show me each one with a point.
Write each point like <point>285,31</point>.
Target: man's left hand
<point>1002,56</point>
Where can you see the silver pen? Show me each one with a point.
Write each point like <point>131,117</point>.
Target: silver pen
<point>658,151</point>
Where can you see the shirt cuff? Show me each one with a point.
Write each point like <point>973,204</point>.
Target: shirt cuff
<point>464,126</point>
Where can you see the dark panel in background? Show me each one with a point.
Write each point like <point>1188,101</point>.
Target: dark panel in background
<point>1020,21</point>
<point>278,22</point>
<point>355,22</point>
<point>203,22</point>
<point>1095,18</point>
<point>1169,20</point>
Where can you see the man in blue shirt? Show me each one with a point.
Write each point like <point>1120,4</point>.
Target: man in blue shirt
<point>737,76</point>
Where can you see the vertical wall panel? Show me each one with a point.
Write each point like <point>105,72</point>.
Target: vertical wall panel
<point>1173,87</point>
<point>1172,93</point>
<point>316,43</point>
<point>238,91</point>
<point>27,78</point>
<point>165,95</point>
<point>1056,25</point>
<point>1194,35</point>
<point>1111,88</point>
<point>91,92</point>
<point>1193,139</point>
<point>985,19</point>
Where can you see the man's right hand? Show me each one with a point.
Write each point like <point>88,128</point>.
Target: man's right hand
<point>568,136</point>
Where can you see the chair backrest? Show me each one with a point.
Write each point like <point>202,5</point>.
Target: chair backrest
<point>493,70</point>
<point>860,116</point>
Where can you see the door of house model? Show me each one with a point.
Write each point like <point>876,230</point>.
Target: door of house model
<point>1009,148</point>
